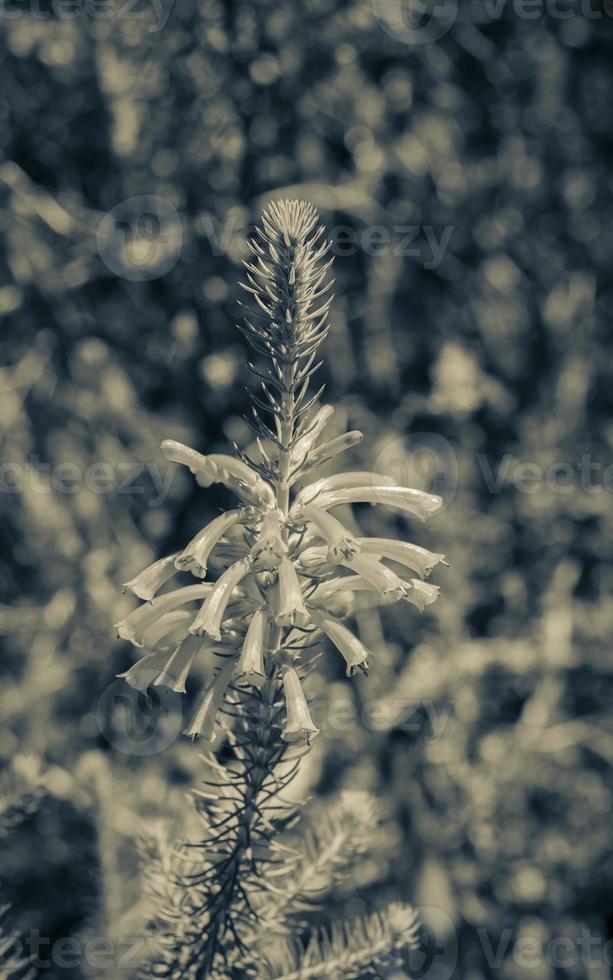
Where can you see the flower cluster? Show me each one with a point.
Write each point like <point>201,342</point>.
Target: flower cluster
<point>287,572</point>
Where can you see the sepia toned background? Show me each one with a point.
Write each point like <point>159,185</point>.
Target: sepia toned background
<point>461,162</point>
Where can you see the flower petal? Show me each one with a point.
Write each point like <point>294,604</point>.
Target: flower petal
<point>381,577</point>
<point>328,450</point>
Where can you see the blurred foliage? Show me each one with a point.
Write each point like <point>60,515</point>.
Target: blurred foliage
<point>497,792</point>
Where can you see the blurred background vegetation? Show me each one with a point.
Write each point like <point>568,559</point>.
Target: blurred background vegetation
<point>138,144</point>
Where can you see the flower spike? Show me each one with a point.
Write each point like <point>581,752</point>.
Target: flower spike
<point>286,571</point>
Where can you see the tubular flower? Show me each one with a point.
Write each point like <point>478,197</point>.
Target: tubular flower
<point>299,726</point>
<point>328,450</point>
<point>134,625</point>
<point>250,666</point>
<point>352,649</point>
<point>234,473</point>
<point>168,629</point>
<point>379,575</point>
<point>203,719</point>
<point>341,481</point>
<point>142,674</point>
<point>151,579</point>
<point>291,610</point>
<point>285,569</point>
<point>270,547</point>
<point>177,667</point>
<point>312,430</point>
<point>212,612</point>
<point>341,543</point>
<point>416,502</point>
<point>195,555</point>
<point>403,552</point>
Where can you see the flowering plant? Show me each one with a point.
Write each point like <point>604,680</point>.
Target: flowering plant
<point>287,573</point>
